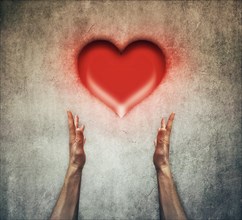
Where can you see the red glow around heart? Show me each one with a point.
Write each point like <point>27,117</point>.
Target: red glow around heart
<point>121,79</point>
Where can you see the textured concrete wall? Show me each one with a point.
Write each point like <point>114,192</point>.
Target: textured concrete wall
<point>39,45</point>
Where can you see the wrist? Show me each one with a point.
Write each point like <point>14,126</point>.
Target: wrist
<point>164,171</point>
<point>75,166</point>
<point>73,172</point>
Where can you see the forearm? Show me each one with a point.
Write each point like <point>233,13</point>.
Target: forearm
<point>67,204</point>
<point>171,208</point>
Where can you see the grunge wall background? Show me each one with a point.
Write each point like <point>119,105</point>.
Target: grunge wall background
<point>39,45</point>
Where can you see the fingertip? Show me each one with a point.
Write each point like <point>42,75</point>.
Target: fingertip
<point>163,124</point>
<point>173,115</point>
<point>69,113</point>
<point>77,121</point>
<point>70,117</point>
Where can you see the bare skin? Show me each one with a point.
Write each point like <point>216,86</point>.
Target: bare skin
<point>67,204</point>
<point>170,205</point>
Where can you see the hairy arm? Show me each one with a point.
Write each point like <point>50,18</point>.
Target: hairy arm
<point>67,204</point>
<point>170,205</point>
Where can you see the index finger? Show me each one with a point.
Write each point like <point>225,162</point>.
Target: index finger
<point>71,125</point>
<point>169,122</point>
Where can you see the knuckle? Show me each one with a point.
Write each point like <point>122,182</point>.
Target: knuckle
<point>79,141</point>
<point>163,141</point>
<point>79,152</point>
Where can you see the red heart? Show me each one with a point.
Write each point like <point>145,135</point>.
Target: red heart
<point>121,78</point>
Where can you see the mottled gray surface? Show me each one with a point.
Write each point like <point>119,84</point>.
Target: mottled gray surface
<point>39,45</point>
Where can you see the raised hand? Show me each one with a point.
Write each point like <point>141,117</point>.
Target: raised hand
<point>67,204</point>
<point>170,206</point>
<point>76,142</point>
<point>162,144</point>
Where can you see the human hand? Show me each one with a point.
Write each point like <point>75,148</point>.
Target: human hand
<point>77,157</point>
<point>162,144</point>
<point>67,204</point>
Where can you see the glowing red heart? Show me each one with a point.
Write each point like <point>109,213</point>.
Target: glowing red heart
<point>121,79</point>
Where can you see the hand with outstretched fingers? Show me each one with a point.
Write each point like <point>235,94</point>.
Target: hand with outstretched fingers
<point>162,144</point>
<point>76,142</point>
